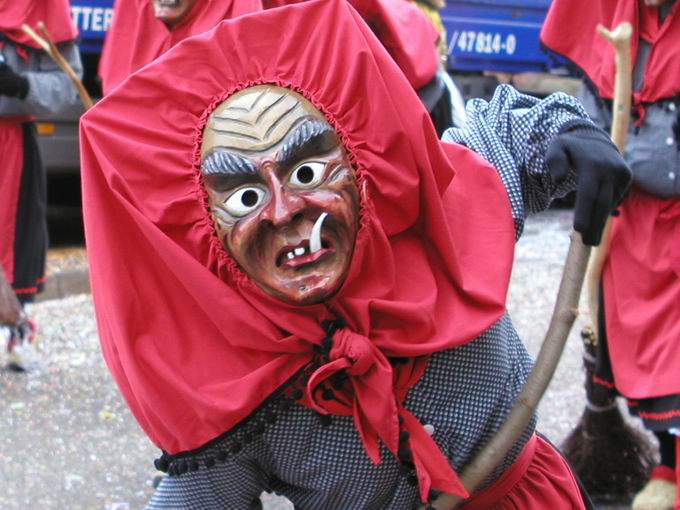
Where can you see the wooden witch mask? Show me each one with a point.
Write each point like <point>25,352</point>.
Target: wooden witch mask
<point>282,192</point>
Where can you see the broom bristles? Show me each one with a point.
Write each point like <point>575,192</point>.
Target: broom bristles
<point>612,458</point>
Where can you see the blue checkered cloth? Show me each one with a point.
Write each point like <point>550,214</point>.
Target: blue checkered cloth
<point>464,395</point>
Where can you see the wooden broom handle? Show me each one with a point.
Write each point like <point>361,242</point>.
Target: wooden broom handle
<point>564,314</point>
<point>47,44</point>
<point>620,38</point>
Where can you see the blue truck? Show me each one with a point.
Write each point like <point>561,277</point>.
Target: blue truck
<point>483,35</point>
<point>498,35</point>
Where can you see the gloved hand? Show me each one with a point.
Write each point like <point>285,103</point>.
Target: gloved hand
<point>603,176</point>
<point>11,83</point>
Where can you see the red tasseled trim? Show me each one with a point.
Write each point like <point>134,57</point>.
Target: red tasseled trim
<point>666,415</point>
<point>27,290</point>
<point>603,382</point>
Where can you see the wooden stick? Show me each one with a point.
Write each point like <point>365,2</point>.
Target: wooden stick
<point>47,44</point>
<point>564,314</point>
<point>620,39</point>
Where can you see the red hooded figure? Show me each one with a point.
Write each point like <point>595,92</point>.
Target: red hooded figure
<point>297,284</point>
<point>639,350</point>
<point>30,84</point>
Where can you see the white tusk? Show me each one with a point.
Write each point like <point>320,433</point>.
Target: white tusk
<point>315,238</point>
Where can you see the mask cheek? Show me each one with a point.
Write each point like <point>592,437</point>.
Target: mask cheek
<point>241,237</point>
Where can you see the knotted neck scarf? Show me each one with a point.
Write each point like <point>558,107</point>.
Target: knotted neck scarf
<point>194,345</point>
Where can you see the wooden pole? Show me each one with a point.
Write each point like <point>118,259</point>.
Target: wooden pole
<point>620,39</point>
<point>564,314</point>
<point>47,44</point>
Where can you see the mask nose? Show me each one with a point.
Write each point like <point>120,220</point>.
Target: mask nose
<point>283,206</point>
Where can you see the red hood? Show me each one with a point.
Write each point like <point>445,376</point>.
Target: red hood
<point>55,14</point>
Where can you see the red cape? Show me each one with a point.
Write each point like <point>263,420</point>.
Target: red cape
<point>56,14</point>
<point>137,37</point>
<point>642,296</point>
<point>429,272</point>
<point>570,30</point>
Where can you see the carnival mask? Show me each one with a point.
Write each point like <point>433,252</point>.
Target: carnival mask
<point>282,193</point>
<point>172,12</point>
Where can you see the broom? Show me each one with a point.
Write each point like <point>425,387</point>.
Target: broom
<point>612,458</point>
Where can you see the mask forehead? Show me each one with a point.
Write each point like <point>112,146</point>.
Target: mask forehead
<point>255,119</point>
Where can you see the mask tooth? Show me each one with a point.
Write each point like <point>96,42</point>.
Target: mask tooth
<point>315,237</point>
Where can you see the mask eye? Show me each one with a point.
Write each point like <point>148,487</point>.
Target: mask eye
<point>308,175</point>
<point>244,201</point>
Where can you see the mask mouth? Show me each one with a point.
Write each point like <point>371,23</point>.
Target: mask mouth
<point>168,3</point>
<point>307,251</point>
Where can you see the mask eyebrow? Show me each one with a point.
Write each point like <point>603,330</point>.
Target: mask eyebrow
<point>311,137</point>
<point>227,164</point>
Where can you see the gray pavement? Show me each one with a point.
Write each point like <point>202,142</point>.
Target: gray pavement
<point>69,442</point>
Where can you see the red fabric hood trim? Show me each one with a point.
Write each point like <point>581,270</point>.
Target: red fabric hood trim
<point>194,345</point>
<point>56,14</point>
<point>137,37</point>
<point>570,30</point>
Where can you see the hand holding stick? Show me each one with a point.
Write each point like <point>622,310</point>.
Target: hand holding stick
<point>47,44</point>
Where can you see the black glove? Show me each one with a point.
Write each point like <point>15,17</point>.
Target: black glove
<point>11,83</point>
<point>603,175</point>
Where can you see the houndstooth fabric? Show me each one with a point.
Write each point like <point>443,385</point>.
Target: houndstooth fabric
<point>513,132</point>
<point>465,393</point>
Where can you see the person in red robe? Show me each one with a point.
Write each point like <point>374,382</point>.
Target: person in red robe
<point>30,84</point>
<point>639,351</point>
<point>142,30</point>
